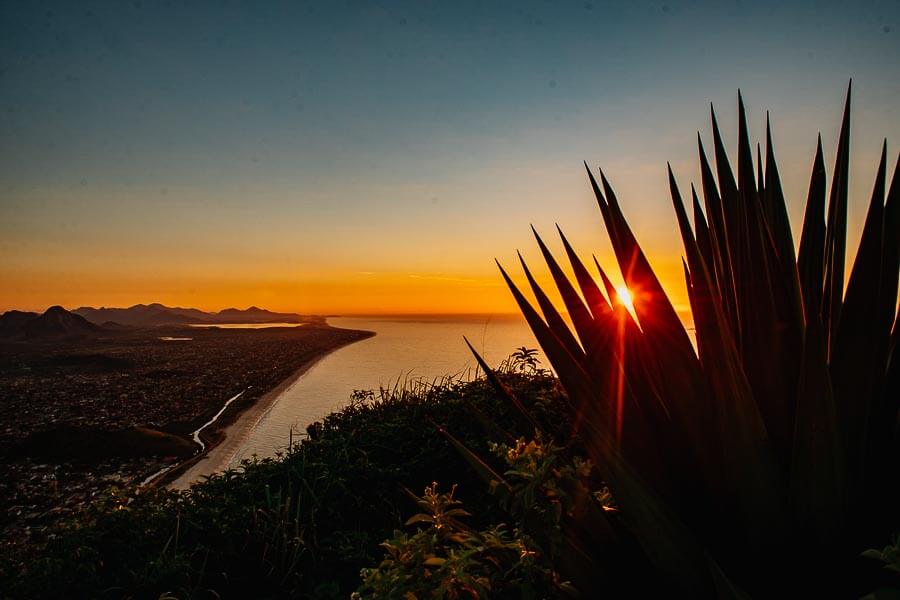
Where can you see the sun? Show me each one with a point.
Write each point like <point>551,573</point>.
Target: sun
<point>625,297</point>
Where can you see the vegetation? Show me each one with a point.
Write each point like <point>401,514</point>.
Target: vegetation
<point>450,560</point>
<point>765,460</point>
<point>306,523</point>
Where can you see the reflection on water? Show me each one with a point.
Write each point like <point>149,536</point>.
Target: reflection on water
<point>403,348</point>
<point>246,325</point>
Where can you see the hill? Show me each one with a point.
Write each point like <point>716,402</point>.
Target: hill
<point>150,315</point>
<point>142,315</point>
<point>254,314</point>
<point>11,322</point>
<point>55,324</point>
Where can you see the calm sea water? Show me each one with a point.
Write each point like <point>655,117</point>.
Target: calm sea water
<point>403,348</point>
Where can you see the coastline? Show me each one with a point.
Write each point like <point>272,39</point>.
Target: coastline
<point>220,451</point>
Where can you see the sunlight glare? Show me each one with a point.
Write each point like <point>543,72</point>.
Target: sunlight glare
<point>625,297</point>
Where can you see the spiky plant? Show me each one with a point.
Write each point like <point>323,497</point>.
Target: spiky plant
<point>766,459</point>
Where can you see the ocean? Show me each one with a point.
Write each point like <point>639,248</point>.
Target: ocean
<point>404,348</point>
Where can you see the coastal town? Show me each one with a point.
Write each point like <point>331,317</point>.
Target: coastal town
<point>85,413</point>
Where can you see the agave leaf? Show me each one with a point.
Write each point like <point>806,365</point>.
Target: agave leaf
<point>776,216</point>
<point>771,340</point>
<point>671,357</point>
<point>620,314</point>
<point>664,539</point>
<point>746,180</point>
<point>636,412</point>
<point>593,544</point>
<point>695,260</point>
<point>616,397</point>
<point>701,229</point>
<point>554,320</point>
<point>789,299</point>
<point>819,481</point>
<point>719,237</point>
<point>859,351</point>
<point>602,334</point>
<point>641,368</point>
<point>483,469</point>
<point>836,232</point>
<point>595,300</point>
<point>890,267</point>
<point>733,210</point>
<point>654,310</point>
<point>578,312</point>
<point>604,209</point>
<point>570,371</point>
<point>760,180</point>
<point>891,401</point>
<point>748,467</point>
<point>811,256</point>
<point>727,185</point>
<point>504,392</point>
<point>713,337</point>
<point>491,429</point>
<point>883,435</point>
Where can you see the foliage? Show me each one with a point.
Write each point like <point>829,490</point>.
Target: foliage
<point>779,430</point>
<point>543,488</point>
<point>524,360</point>
<point>448,559</point>
<point>889,557</point>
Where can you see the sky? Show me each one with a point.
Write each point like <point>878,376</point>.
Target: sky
<point>375,157</point>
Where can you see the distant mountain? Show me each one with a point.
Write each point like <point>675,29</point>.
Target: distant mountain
<point>142,315</point>
<point>149,315</point>
<point>55,324</point>
<point>254,314</point>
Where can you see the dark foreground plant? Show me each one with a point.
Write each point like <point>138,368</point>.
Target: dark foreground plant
<point>765,460</point>
<point>449,559</point>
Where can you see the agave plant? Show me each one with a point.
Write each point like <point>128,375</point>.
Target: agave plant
<point>765,458</point>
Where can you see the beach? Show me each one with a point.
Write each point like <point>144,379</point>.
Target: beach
<point>219,454</point>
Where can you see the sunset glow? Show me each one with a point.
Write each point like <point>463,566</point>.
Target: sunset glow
<point>385,182</point>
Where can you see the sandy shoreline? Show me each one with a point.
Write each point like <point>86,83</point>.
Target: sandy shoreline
<point>218,456</point>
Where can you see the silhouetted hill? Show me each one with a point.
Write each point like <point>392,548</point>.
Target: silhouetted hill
<point>142,315</point>
<point>11,322</point>
<point>56,323</point>
<point>148,315</point>
<point>254,314</point>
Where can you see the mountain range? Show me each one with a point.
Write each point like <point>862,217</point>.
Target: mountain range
<point>57,323</point>
<point>147,315</point>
